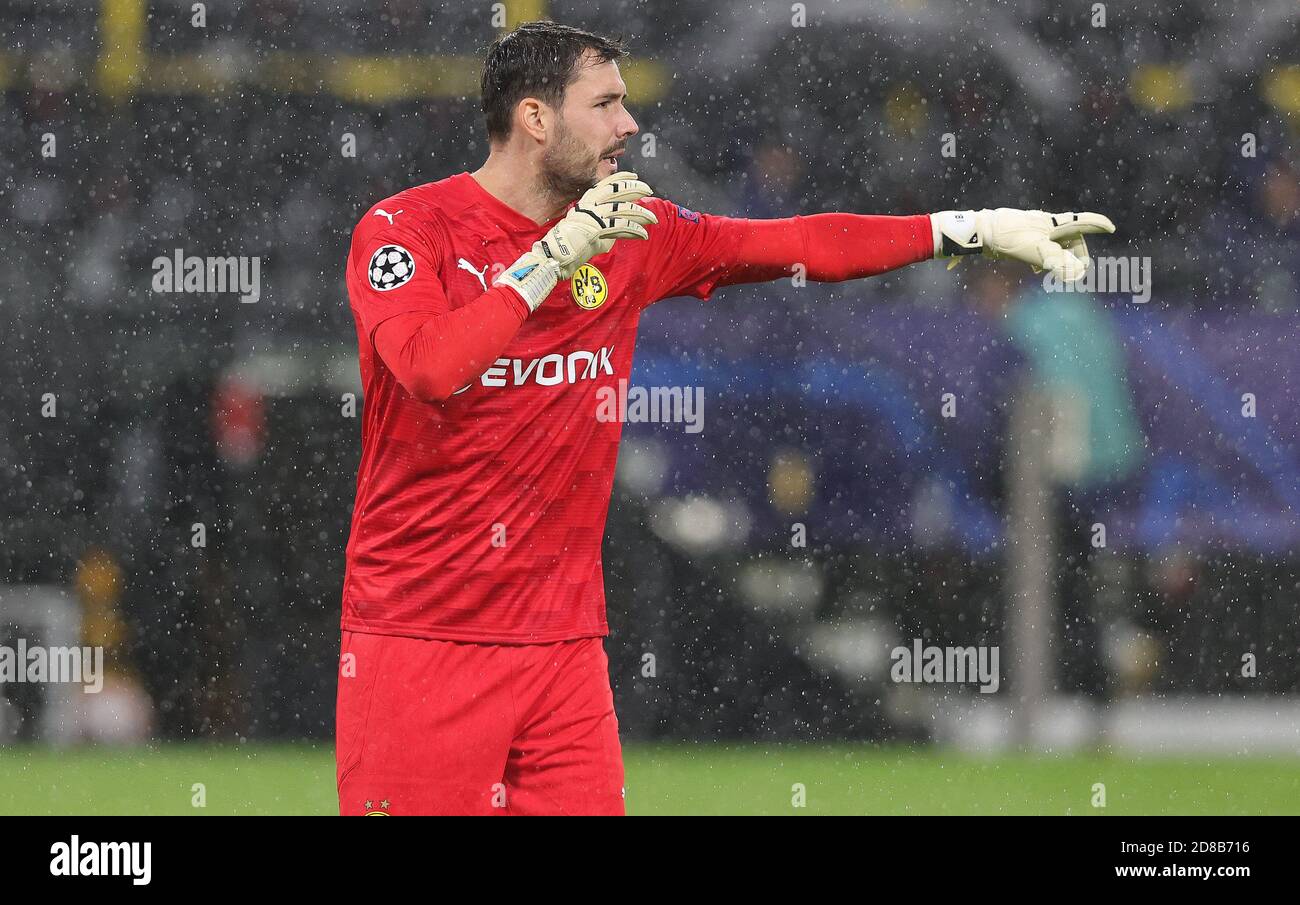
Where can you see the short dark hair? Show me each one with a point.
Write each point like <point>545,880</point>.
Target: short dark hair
<point>537,59</point>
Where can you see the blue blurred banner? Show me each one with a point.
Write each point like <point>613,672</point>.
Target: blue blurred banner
<point>1194,434</point>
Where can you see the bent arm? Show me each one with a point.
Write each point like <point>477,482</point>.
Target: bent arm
<point>434,355</point>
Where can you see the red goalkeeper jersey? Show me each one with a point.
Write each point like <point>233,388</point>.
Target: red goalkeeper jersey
<point>480,517</point>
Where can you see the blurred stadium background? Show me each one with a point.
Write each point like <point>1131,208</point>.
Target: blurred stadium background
<point>824,405</point>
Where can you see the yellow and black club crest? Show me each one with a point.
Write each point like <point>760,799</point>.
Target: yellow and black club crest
<point>589,287</point>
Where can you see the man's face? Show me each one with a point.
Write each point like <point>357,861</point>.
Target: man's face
<point>592,130</point>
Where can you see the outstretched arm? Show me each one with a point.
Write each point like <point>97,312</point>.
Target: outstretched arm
<point>695,253</point>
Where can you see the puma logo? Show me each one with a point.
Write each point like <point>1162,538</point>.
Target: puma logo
<point>462,264</point>
<point>383,213</point>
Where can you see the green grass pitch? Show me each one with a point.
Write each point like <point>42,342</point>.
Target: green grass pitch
<point>676,779</point>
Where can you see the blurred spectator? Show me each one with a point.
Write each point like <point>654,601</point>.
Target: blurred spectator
<point>1075,356</point>
<point>1259,242</point>
<point>120,712</point>
<point>771,186</point>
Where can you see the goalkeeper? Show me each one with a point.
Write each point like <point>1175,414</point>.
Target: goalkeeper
<point>490,308</point>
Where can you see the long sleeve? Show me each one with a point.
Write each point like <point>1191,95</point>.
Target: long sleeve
<point>833,247</point>
<point>401,305</point>
<point>694,253</point>
<point>434,355</point>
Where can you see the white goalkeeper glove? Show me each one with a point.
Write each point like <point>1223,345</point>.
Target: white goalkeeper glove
<point>607,211</point>
<point>1043,241</point>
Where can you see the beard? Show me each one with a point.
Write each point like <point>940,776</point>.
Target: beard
<point>568,168</point>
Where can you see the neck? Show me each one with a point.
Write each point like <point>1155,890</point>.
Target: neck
<point>516,182</point>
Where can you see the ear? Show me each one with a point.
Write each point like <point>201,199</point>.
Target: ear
<point>534,118</point>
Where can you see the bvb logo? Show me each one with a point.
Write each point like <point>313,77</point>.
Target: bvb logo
<point>589,287</point>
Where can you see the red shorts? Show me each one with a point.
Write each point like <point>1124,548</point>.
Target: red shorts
<point>445,727</point>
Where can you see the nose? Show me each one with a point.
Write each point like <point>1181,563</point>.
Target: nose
<point>628,127</point>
